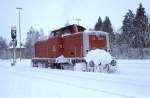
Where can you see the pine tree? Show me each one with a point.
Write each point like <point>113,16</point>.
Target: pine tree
<point>98,25</point>
<point>107,27</point>
<point>140,23</point>
<point>147,36</point>
<point>32,36</point>
<point>128,28</point>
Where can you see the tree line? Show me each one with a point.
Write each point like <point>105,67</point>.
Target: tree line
<point>135,28</point>
<point>133,35</point>
<point>3,47</point>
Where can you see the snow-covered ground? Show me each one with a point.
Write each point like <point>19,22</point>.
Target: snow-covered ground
<point>22,81</point>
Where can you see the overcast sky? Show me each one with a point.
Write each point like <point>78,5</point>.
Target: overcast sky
<point>52,14</point>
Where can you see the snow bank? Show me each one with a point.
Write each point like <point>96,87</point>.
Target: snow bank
<point>22,63</point>
<point>80,67</point>
<point>98,56</point>
<point>132,81</point>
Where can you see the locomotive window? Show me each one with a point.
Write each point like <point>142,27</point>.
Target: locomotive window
<point>53,48</point>
<point>100,38</point>
<point>49,48</point>
<point>66,32</point>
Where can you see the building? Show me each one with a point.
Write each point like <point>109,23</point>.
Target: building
<point>18,49</point>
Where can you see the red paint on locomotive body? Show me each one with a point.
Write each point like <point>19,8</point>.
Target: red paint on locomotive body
<point>73,45</point>
<point>97,42</point>
<point>71,42</point>
<point>54,45</point>
<point>41,49</point>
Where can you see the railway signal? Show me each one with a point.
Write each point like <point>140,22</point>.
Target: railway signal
<point>13,33</point>
<point>14,43</point>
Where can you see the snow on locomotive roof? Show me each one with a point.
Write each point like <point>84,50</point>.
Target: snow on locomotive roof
<point>43,38</point>
<point>96,32</point>
<point>69,26</point>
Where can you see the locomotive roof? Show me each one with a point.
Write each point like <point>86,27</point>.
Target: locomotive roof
<point>80,28</point>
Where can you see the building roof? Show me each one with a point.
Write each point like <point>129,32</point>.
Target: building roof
<point>17,47</point>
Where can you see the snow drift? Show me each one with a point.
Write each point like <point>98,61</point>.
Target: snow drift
<point>61,59</point>
<point>101,61</point>
<point>99,56</point>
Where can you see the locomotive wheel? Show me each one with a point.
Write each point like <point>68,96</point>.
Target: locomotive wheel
<point>91,66</point>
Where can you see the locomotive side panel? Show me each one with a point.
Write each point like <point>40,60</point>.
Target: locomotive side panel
<point>41,49</point>
<point>54,47</point>
<point>73,45</point>
<point>97,42</point>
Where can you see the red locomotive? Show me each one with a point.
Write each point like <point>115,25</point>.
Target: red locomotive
<point>71,43</point>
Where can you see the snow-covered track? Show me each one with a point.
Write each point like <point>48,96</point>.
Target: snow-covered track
<point>123,84</point>
<point>117,78</point>
<point>44,77</point>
